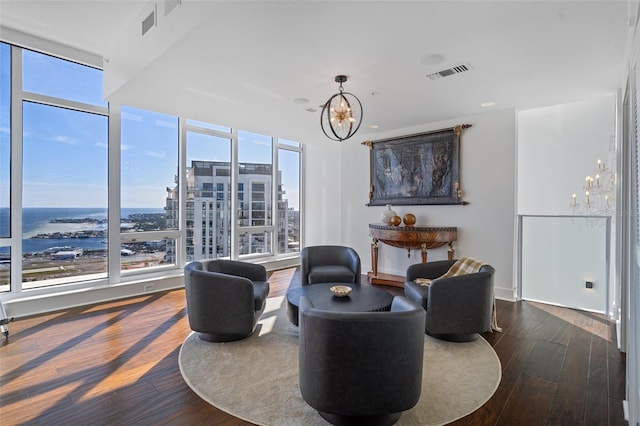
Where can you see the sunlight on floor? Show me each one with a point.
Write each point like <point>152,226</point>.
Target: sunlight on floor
<point>267,325</point>
<point>39,404</point>
<point>596,324</point>
<point>268,320</point>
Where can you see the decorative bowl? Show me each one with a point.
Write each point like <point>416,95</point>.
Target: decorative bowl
<point>340,290</point>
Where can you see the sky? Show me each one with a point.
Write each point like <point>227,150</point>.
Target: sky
<point>65,152</point>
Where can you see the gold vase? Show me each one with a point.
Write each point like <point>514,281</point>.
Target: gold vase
<point>409,219</point>
<point>395,220</point>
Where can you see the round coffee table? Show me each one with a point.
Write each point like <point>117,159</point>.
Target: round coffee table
<point>363,298</point>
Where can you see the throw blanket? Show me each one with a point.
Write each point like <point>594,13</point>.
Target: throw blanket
<point>464,265</point>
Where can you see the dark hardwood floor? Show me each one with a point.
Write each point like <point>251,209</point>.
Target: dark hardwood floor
<point>117,363</point>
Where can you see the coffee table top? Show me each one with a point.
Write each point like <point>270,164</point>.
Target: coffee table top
<point>363,298</point>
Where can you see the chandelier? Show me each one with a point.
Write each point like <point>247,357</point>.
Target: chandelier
<point>341,114</point>
<point>599,189</point>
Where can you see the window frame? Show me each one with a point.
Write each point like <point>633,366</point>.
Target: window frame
<point>18,98</point>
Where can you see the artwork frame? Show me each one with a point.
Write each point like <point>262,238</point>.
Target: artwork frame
<point>417,169</point>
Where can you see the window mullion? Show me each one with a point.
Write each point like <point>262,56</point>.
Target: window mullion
<point>16,169</point>
<point>181,243</point>
<point>275,205</point>
<point>235,232</point>
<point>113,190</point>
<point>64,103</point>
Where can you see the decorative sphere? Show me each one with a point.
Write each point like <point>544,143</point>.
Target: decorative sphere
<point>409,219</point>
<point>395,220</point>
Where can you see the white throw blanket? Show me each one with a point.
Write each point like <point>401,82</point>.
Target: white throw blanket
<point>464,265</point>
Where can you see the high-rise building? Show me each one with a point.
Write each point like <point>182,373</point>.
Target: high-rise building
<point>208,210</point>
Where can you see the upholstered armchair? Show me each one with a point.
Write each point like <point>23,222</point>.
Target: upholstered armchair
<point>361,368</point>
<point>458,307</point>
<point>329,264</point>
<point>225,298</point>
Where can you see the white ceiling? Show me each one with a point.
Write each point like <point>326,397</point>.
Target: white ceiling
<point>243,63</point>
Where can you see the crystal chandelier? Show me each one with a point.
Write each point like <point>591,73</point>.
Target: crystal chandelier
<point>599,189</point>
<point>341,114</point>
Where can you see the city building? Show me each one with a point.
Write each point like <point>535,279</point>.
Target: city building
<point>208,211</point>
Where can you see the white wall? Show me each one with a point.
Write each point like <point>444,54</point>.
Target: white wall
<point>485,226</point>
<point>559,255</point>
<point>558,147</point>
<point>323,194</point>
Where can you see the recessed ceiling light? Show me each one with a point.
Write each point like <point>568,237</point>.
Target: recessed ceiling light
<point>300,101</point>
<point>487,104</point>
<point>432,59</point>
<point>373,126</point>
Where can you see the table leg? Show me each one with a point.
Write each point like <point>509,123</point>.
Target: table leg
<point>424,252</point>
<point>374,257</point>
<point>451,252</point>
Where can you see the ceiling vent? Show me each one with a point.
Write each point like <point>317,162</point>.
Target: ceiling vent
<point>149,22</point>
<point>169,5</point>
<point>451,71</point>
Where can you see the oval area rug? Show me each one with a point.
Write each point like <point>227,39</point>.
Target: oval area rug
<point>256,379</point>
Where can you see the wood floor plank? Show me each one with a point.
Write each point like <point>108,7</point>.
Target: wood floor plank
<point>568,405</point>
<point>531,400</point>
<point>506,348</point>
<point>616,370</point>
<point>616,412</point>
<point>597,404</point>
<point>512,371</point>
<point>575,370</point>
<point>545,360</point>
<point>489,413</point>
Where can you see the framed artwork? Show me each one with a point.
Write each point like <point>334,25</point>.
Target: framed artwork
<point>416,169</point>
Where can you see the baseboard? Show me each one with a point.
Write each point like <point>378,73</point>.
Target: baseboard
<point>283,263</point>
<point>24,304</point>
<point>43,303</point>
<point>504,294</point>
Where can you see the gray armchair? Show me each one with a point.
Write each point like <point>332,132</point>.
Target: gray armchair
<point>225,298</point>
<point>459,307</point>
<point>329,264</point>
<point>361,368</point>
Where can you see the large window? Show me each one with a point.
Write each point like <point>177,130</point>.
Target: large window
<point>64,194</point>
<point>184,189</point>
<point>64,172</point>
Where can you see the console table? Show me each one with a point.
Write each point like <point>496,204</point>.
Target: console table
<point>410,238</point>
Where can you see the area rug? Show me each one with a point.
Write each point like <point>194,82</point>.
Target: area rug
<point>256,379</point>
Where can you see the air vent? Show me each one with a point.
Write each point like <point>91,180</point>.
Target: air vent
<point>149,22</point>
<point>451,71</point>
<point>169,5</point>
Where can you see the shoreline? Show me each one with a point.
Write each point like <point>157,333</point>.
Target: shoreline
<point>39,267</point>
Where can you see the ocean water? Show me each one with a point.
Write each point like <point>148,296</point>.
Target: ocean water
<point>38,221</point>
